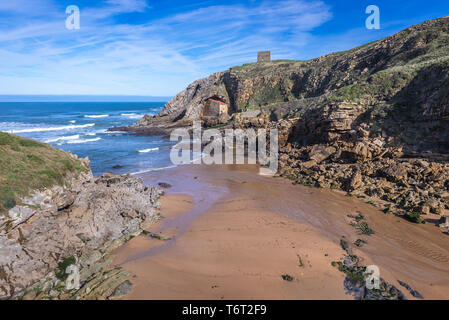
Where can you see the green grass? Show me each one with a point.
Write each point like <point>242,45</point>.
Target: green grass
<point>414,217</point>
<point>365,228</point>
<point>62,266</point>
<point>26,165</point>
<point>159,237</point>
<point>355,274</point>
<point>344,245</point>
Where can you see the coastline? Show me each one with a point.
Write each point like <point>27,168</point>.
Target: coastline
<point>233,234</point>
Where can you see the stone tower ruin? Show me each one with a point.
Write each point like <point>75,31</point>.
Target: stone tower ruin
<point>264,56</point>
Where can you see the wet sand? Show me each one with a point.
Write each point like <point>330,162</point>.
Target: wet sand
<point>232,234</point>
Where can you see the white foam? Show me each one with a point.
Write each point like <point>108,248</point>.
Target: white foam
<point>52,128</point>
<point>63,138</point>
<point>148,150</point>
<point>83,141</point>
<point>72,121</point>
<point>95,116</point>
<point>111,132</point>
<point>132,115</point>
<point>155,169</point>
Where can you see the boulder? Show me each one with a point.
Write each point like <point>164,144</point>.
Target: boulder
<point>320,153</point>
<point>396,172</point>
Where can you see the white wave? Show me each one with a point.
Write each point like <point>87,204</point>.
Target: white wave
<point>96,116</point>
<point>63,138</point>
<point>52,128</point>
<point>72,121</point>
<point>113,132</point>
<point>154,169</point>
<point>90,134</point>
<point>148,150</point>
<point>132,115</point>
<point>82,141</point>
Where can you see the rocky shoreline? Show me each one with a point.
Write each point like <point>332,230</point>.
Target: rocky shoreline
<point>76,225</point>
<point>371,121</point>
<point>376,167</point>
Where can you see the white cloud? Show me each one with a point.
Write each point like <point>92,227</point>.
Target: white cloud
<point>159,57</point>
<point>129,5</point>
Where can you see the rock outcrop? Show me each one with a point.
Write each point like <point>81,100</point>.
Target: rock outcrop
<point>372,121</point>
<point>388,84</point>
<point>81,222</point>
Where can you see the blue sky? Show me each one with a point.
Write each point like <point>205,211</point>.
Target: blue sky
<point>157,47</point>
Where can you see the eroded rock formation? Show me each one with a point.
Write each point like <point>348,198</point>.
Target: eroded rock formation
<point>83,220</point>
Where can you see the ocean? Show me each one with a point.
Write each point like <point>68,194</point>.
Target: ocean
<point>81,128</point>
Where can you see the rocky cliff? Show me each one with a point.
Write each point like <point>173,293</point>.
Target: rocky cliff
<point>387,84</point>
<point>373,121</point>
<point>75,220</point>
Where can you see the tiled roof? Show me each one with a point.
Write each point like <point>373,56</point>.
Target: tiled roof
<point>218,101</point>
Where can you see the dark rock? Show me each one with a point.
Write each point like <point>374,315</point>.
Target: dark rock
<point>164,185</point>
<point>444,222</point>
<point>122,290</point>
<point>414,293</point>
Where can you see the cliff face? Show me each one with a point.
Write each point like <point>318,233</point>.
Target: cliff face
<point>386,84</point>
<point>372,121</point>
<point>77,221</point>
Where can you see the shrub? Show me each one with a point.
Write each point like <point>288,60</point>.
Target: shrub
<point>10,203</point>
<point>414,217</point>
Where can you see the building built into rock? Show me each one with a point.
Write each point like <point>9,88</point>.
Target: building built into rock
<point>214,107</point>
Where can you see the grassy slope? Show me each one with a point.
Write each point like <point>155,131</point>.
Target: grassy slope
<point>26,164</point>
<point>402,83</point>
<point>392,64</point>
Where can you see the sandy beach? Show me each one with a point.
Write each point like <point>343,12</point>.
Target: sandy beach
<point>229,233</point>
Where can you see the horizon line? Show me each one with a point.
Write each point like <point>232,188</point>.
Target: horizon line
<point>80,98</point>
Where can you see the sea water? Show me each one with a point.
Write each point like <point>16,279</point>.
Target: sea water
<point>81,128</point>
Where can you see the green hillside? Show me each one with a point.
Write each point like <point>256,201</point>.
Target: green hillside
<point>26,164</point>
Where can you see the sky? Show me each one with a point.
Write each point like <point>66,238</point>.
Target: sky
<point>158,47</point>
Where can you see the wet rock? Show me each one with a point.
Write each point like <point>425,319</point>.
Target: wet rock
<point>414,293</point>
<point>103,285</point>
<point>164,185</point>
<point>444,222</point>
<point>122,290</point>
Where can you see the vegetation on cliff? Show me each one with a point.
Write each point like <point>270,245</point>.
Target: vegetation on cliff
<point>26,165</point>
<point>372,121</point>
<point>399,85</point>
